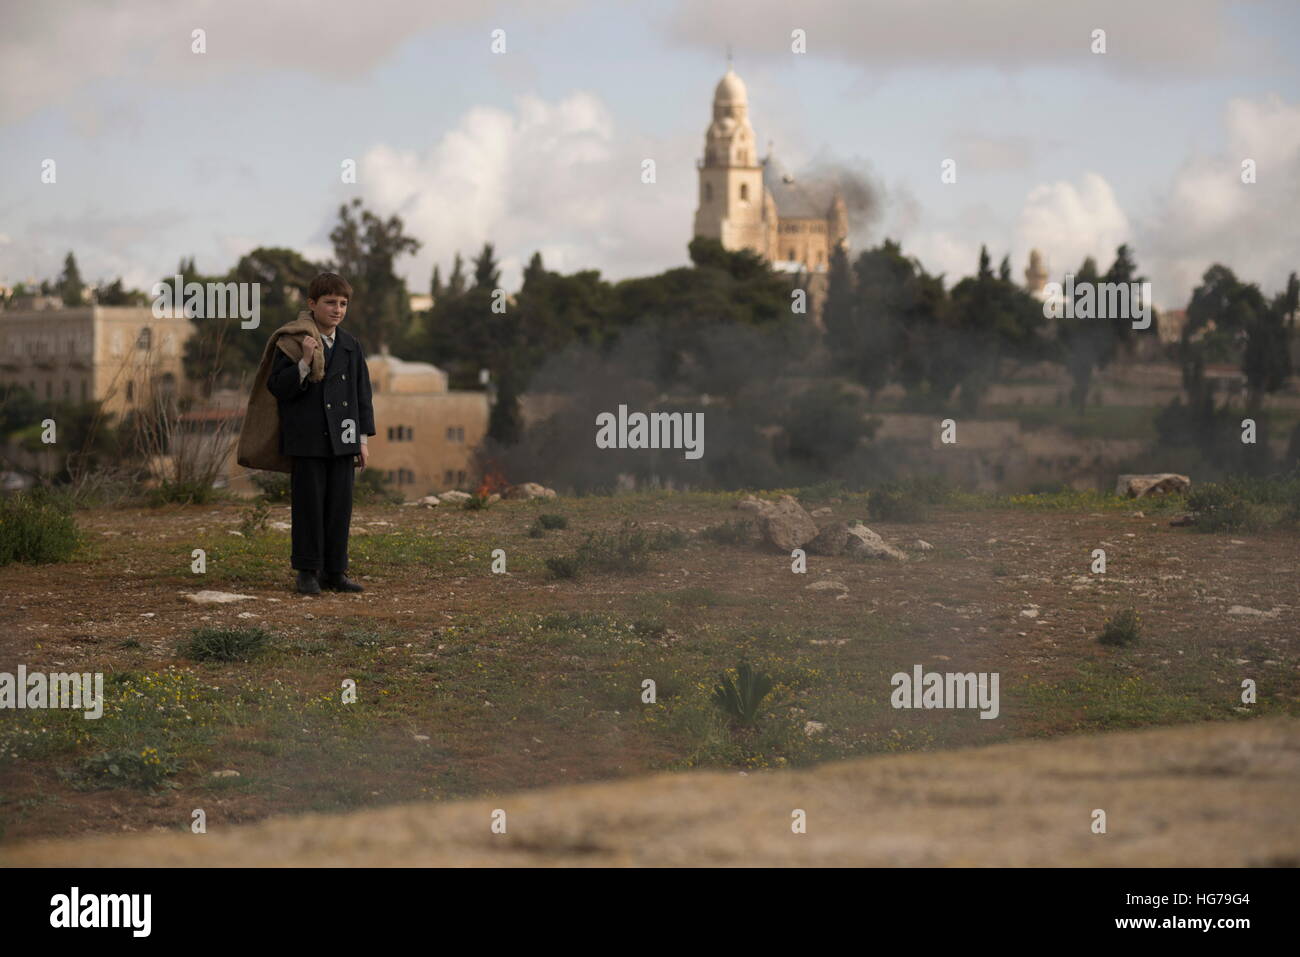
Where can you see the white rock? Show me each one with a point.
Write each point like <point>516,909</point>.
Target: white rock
<point>827,585</point>
<point>813,727</point>
<point>1254,612</point>
<point>454,496</point>
<point>216,597</point>
<point>225,774</point>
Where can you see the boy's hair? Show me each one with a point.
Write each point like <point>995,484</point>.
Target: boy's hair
<point>329,284</point>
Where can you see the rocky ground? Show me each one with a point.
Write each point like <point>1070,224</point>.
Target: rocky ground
<point>1211,795</point>
<point>472,683</point>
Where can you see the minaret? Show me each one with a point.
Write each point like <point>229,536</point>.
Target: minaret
<point>731,177</point>
<point>1035,275</point>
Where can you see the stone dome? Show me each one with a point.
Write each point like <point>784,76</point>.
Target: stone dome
<point>731,89</point>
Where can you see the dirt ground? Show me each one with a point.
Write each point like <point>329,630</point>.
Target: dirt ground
<point>1217,795</point>
<point>474,684</point>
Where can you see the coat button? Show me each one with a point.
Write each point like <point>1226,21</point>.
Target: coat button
<point>328,406</point>
<point>345,402</point>
<point>345,375</point>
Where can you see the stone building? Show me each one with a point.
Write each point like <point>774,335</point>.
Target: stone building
<point>748,202</point>
<point>113,354</point>
<point>426,433</point>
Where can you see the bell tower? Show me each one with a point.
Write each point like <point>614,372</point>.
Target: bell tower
<point>731,199</point>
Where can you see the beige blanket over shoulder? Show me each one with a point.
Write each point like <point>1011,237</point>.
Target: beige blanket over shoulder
<point>259,440</point>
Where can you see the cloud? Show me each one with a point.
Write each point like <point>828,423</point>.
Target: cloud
<point>979,153</point>
<point>1189,37</point>
<point>51,52</point>
<point>555,177</point>
<point>1209,215</point>
<point>1068,222</point>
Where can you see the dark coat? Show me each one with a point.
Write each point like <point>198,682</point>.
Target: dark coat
<point>259,437</point>
<point>313,414</point>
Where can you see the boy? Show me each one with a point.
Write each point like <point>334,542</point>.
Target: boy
<point>324,425</point>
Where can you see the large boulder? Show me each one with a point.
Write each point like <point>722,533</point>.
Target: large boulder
<point>864,543</point>
<point>782,523</point>
<point>455,497</point>
<point>1162,483</point>
<point>529,490</point>
<point>831,540</point>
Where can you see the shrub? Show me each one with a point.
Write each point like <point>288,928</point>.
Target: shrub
<point>896,505</point>
<point>563,566</point>
<point>1123,629</point>
<point>255,518</point>
<point>226,644</point>
<point>274,486</point>
<point>125,767</point>
<point>1218,509</point>
<point>37,528</point>
<point>740,698</point>
<point>739,532</point>
<point>371,488</point>
<point>182,493</point>
<point>551,520</point>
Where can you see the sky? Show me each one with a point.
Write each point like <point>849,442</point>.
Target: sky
<point>161,152</point>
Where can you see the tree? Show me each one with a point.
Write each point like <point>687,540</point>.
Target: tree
<point>456,284</point>
<point>1266,359</point>
<point>1089,345</point>
<point>71,287</point>
<point>487,275</point>
<point>365,249</point>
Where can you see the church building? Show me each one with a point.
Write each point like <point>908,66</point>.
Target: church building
<point>748,202</point>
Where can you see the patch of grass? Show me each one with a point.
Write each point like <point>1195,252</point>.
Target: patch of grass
<point>1125,628</point>
<point>739,532</point>
<point>144,769</point>
<point>1221,508</point>
<point>552,520</point>
<point>625,551</point>
<point>38,529</point>
<point>226,644</point>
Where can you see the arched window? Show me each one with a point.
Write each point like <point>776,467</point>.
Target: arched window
<point>744,192</point>
<point>708,192</point>
<point>130,390</point>
<point>145,340</point>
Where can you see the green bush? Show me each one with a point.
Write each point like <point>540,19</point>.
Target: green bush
<point>226,644</point>
<point>563,566</point>
<point>37,527</point>
<point>1216,508</point>
<point>182,493</point>
<point>739,532</point>
<point>1124,628</point>
<point>741,697</point>
<point>551,520</point>
<point>126,767</point>
<point>897,505</point>
<point>371,488</point>
<point>274,486</point>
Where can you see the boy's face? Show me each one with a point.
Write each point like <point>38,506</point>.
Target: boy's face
<point>328,310</point>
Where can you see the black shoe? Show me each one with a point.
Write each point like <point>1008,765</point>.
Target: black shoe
<point>340,582</point>
<point>308,583</point>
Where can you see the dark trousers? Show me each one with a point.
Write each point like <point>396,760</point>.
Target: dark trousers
<point>321,490</point>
